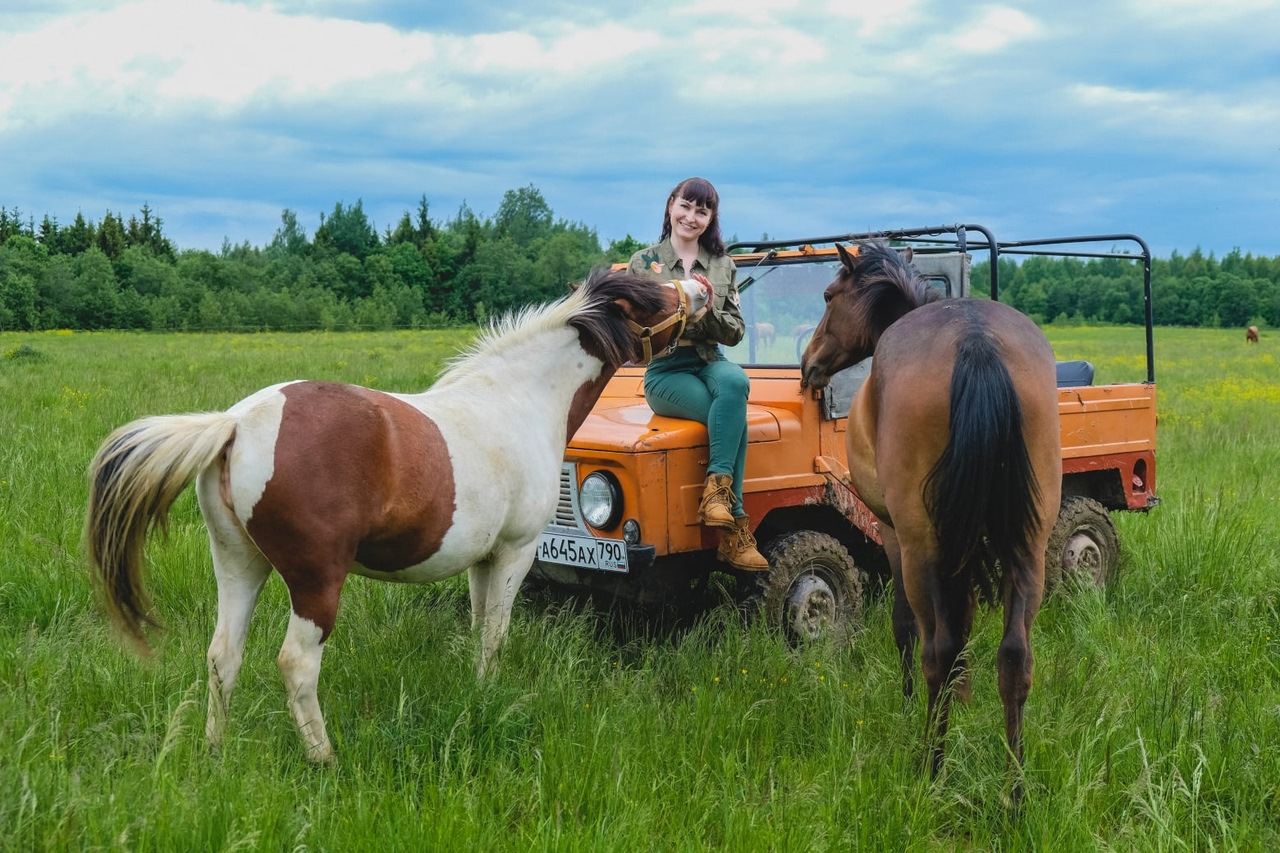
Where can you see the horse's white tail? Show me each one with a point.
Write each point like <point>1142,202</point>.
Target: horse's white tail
<point>134,478</point>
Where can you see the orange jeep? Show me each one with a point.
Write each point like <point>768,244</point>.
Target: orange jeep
<point>627,522</point>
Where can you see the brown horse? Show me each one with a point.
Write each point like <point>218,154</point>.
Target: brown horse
<point>1251,335</point>
<point>953,443</point>
<point>317,480</point>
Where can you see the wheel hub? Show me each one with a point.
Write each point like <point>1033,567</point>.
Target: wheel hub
<point>811,606</point>
<point>1083,558</point>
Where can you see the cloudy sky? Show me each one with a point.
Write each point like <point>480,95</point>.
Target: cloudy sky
<point>1035,119</point>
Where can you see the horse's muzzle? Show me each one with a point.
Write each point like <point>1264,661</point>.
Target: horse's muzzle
<point>812,376</point>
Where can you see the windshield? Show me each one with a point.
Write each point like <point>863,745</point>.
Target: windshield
<point>781,304</point>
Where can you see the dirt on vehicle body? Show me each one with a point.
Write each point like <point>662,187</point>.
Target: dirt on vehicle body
<point>627,520</point>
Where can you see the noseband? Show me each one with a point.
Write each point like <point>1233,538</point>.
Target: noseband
<point>646,333</point>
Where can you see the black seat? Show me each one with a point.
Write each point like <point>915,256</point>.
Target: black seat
<point>1072,374</point>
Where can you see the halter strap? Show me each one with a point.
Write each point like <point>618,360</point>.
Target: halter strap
<point>646,333</point>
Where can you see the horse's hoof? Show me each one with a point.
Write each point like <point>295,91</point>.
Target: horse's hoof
<point>213,737</point>
<point>1011,799</point>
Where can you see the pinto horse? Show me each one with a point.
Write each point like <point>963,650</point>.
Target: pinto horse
<point>318,479</point>
<point>953,443</point>
<point>1251,335</point>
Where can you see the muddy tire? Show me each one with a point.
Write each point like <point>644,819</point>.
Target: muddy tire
<point>1084,548</point>
<point>813,587</point>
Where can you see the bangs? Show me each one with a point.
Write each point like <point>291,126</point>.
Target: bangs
<point>698,191</point>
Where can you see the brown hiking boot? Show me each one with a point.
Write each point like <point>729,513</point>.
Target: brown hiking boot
<point>716,509</point>
<point>738,548</point>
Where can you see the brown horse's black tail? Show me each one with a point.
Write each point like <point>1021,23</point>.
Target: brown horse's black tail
<point>982,494</point>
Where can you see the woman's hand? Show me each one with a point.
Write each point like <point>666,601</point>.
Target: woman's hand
<point>702,279</point>
<point>711,295</point>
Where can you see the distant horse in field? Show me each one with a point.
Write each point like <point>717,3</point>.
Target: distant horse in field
<point>953,442</point>
<point>765,334</point>
<point>1251,335</point>
<point>318,479</point>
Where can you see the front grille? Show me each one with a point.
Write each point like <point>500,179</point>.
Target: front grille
<point>567,513</point>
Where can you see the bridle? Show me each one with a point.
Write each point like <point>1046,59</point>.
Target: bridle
<point>646,333</point>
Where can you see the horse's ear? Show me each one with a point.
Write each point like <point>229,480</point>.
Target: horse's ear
<point>848,257</point>
<point>908,254</point>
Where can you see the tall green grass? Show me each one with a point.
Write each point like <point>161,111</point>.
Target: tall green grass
<point>1154,722</point>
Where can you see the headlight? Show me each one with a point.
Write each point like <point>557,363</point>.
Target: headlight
<point>600,498</point>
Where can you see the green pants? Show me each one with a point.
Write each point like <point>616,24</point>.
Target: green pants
<point>682,385</point>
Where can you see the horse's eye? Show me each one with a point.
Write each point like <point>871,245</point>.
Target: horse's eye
<point>826,297</point>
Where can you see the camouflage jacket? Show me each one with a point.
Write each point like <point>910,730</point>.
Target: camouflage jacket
<point>722,324</point>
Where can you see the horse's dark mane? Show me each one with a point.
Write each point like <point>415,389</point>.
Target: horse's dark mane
<point>590,310</point>
<point>888,286</point>
<point>601,322</point>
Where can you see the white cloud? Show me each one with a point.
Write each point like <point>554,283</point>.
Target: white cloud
<point>996,29</point>
<point>854,50</point>
<point>804,112</point>
<point>563,51</point>
<point>875,17</point>
<point>741,68</point>
<point>1227,123</point>
<point>756,11</point>
<point>155,56</point>
<point>1192,13</point>
<point>950,52</point>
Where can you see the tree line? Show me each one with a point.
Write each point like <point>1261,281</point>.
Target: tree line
<point>1186,290</point>
<point>420,272</point>
<point>117,274</point>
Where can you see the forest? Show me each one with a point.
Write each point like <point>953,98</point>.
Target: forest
<point>420,272</point>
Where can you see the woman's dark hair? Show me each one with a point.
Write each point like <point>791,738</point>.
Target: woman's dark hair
<point>699,191</point>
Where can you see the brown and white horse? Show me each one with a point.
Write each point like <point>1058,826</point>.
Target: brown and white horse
<point>320,479</point>
<point>953,443</point>
<point>1251,335</point>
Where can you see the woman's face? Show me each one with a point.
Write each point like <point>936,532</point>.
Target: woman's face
<point>688,218</point>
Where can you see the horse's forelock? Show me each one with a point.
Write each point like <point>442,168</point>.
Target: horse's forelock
<point>590,309</point>
<point>887,284</point>
<point>639,290</point>
<point>602,322</point>
<point>884,265</point>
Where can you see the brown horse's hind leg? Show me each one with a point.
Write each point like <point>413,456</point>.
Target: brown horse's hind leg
<point>942,658</point>
<point>961,686</point>
<point>905,635</point>
<point>905,630</point>
<point>1015,666</point>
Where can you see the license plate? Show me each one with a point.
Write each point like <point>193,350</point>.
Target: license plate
<point>585,552</point>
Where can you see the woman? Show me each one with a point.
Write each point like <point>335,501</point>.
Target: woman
<point>696,381</point>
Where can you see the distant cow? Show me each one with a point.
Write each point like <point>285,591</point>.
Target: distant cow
<point>1251,335</point>
<point>764,334</point>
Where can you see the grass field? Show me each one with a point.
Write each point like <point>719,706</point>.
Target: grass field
<point>1154,722</point>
